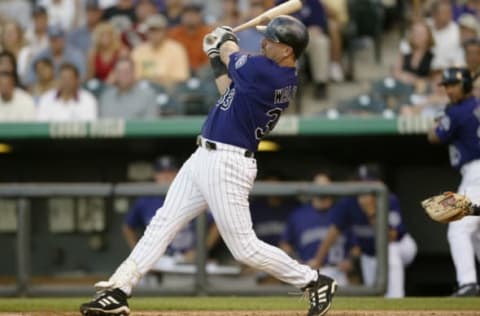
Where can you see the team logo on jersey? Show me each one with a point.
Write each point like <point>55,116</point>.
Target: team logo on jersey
<point>241,61</point>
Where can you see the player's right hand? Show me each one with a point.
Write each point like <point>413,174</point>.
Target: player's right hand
<point>211,45</point>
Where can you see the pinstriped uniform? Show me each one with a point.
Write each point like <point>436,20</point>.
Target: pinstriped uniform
<point>222,179</point>
<point>221,172</point>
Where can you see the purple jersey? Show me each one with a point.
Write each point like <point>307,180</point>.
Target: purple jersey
<point>269,221</point>
<point>307,227</point>
<point>460,128</point>
<point>347,214</point>
<point>259,92</point>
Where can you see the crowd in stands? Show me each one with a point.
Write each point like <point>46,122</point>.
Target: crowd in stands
<point>143,59</point>
<point>441,34</point>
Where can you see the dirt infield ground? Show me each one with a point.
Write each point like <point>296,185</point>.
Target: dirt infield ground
<point>268,313</point>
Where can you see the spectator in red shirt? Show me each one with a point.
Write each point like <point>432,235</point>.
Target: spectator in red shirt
<point>106,49</point>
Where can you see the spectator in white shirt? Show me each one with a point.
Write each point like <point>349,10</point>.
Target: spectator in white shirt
<point>68,102</point>
<point>15,103</point>
<point>448,50</point>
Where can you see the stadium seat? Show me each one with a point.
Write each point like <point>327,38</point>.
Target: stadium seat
<point>166,104</point>
<point>94,86</point>
<point>195,96</point>
<point>362,105</point>
<point>392,92</point>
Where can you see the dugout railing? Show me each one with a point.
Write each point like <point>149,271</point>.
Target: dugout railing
<point>22,193</point>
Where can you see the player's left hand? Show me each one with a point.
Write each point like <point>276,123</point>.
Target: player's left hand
<point>211,45</point>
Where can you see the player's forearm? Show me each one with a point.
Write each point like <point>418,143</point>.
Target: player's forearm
<point>332,235</point>
<point>226,49</point>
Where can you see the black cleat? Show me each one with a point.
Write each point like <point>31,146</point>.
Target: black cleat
<point>320,295</point>
<point>470,289</point>
<point>109,302</point>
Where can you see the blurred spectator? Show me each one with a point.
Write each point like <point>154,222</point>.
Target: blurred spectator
<point>146,207</point>
<point>190,33</point>
<point>160,59</point>
<point>68,102</point>
<point>127,99</point>
<point>81,37</point>
<point>45,78</point>
<point>37,34</point>
<point>337,20</point>
<point>15,103</point>
<point>314,16</point>
<point>122,8</point>
<point>230,13</point>
<point>250,40</point>
<point>106,49</point>
<point>8,64</point>
<point>19,10</point>
<point>359,215</point>
<point>472,55</point>
<point>414,68</point>
<point>306,228</point>
<point>469,27</point>
<point>173,12</point>
<point>12,39</point>
<point>466,6</point>
<point>138,34</point>
<point>61,12</point>
<point>36,37</point>
<point>59,52</point>
<point>446,33</point>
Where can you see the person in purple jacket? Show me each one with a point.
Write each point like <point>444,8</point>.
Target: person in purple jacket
<point>306,228</point>
<point>459,128</point>
<point>358,214</point>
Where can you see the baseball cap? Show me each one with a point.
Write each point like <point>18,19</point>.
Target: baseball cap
<point>56,31</point>
<point>454,75</point>
<point>165,163</point>
<point>156,21</point>
<point>469,21</point>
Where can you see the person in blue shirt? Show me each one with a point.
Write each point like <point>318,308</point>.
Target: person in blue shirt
<point>306,228</point>
<point>459,128</point>
<point>255,89</point>
<point>358,214</point>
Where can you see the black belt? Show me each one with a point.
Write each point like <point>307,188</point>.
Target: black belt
<point>213,146</point>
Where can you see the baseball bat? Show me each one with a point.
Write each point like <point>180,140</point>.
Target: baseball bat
<point>288,7</point>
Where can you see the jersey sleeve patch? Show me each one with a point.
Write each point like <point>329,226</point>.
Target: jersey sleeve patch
<point>241,61</point>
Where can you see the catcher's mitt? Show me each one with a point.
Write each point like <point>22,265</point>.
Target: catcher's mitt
<point>448,207</point>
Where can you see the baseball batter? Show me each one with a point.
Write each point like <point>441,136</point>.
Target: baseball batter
<point>220,173</point>
<point>459,128</point>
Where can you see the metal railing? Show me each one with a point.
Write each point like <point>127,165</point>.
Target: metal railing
<point>22,192</point>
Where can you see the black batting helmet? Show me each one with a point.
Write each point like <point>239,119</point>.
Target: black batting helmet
<point>455,75</point>
<point>287,30</point>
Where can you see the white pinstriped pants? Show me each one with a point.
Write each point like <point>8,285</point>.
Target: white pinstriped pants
<point>221,179</point>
